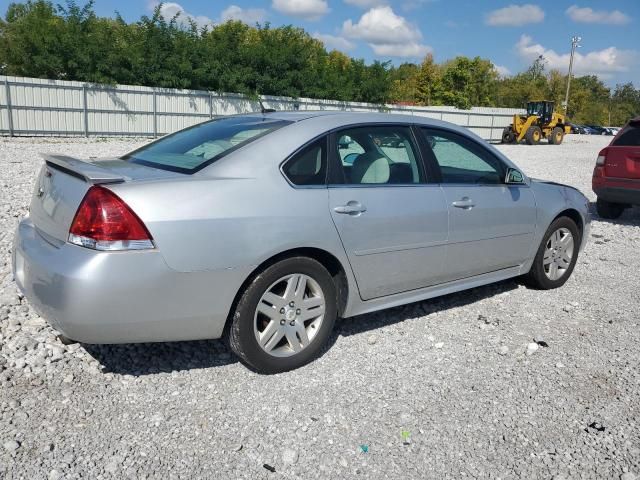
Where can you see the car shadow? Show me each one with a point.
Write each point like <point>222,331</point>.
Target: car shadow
<point>143,359</point>
<point>152,358</point>
<point>390,316</point>
<point>630,216</point>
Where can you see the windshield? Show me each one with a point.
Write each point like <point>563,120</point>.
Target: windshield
<point>535,108</point>
<point>192,149</point>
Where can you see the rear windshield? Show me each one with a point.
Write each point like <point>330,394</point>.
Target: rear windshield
<point>194,148</point>
<point>629,137</point>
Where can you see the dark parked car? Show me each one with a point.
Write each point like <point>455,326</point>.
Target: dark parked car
<point>598,130</point>
<point>580,129</point>
<point>616,176</point>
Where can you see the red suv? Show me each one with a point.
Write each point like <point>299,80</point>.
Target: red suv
<point>616,177</point>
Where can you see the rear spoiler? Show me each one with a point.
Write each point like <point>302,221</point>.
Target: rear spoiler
<point>89,172</point>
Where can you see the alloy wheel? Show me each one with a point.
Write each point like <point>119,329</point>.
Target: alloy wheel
<point>558,253</point>
<point>289,315</point>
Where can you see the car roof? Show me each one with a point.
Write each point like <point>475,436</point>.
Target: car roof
<point>346,117</point>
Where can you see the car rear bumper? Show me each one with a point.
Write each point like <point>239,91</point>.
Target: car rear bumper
<point>119,297</point>
<point>619,194</point>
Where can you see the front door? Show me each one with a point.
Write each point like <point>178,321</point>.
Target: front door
<point>392,223</point>
<point>491,224</point>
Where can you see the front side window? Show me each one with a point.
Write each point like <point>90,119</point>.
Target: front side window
<point>378,155</point>
<point>309,166</point>
<point>461,161</point>
<point>194,148</point>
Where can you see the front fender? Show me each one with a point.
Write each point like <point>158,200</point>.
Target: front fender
<point>552,199</point>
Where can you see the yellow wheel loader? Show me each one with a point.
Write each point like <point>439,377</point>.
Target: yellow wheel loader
<point>540,122</point>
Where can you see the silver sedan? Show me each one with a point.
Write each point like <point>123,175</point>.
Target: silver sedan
<point>264,228</point>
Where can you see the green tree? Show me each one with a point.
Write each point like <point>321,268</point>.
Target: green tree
<point>404,84</point>
<point>30,37</point>
<point>624,104</point>
<point>428,82</point>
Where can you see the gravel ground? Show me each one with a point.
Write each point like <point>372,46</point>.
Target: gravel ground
<point>442,388</point>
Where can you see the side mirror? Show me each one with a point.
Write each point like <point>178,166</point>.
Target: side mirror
<point>514,177</point>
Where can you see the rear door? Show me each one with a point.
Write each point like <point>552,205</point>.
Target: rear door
<point>393,223</point>
<point>491,224</point>
<point>623,155</point>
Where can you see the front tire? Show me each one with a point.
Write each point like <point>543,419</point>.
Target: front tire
<point>533,135</point>
<point>609,210</point>
<point>284,316</point>
<point>557,255</point>
<point>556,136</point>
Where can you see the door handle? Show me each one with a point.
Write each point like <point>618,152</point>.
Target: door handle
<point>351,208</point>
<point>464,202</point>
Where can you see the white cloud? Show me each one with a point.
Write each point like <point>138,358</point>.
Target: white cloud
<point>171,9</point>
<point>386,33</point>
<point>382,25</point>
<point>306,9</point>
<point>249,16</point>
<point>502,70</point>
<point>515,16</point>
<point>365,3</point>
<point>601,62</point>
<point>588,15</point>
<point>403,50</point>
<point>334,42</point>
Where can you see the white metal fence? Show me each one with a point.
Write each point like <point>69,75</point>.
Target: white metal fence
<point>31,106</point>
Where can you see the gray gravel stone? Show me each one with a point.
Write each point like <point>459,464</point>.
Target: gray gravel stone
<point>289,456</point>
<point>532,348</point>
<point>55,475</point>
<point>11,445</point>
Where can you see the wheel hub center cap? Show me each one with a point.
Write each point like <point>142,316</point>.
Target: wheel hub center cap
<point>290,314</point>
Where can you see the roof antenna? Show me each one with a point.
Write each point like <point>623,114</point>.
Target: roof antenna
<point>263,109</point>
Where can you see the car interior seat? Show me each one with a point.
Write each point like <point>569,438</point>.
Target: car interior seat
<point>370,167</point>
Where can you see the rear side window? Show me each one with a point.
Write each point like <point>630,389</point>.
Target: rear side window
<point>629,137</point>
<point>309,166</point>
<point>378,155</point>
<point>193,148</point>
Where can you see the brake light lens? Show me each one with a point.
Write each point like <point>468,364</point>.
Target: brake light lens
<point>105,222</point>
<point>602,158</point>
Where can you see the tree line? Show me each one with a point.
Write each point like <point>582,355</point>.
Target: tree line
<point>70,42</point>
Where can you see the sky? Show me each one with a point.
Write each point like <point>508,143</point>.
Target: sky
<point>511,35</point>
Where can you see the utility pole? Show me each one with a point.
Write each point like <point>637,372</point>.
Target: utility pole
<point>575,43</point>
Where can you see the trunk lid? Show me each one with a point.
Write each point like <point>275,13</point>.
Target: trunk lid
<point>623,155</point>
<point>63,182</point>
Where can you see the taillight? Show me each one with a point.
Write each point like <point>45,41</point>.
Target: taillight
<point>104,222</point>
<point>602,157</point>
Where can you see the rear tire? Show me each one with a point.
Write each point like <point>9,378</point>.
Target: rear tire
<point>561,242</point>
<point>508,136</point>
<point>556,136</point>
<point>533,135</point>
<point>292,332</point>
<point>609,210</point>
